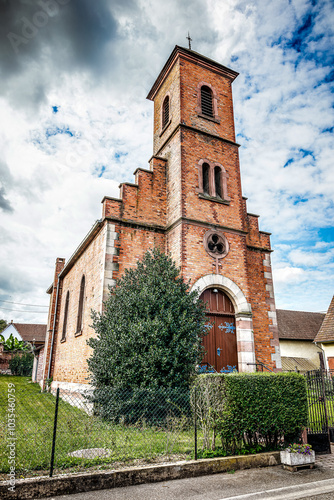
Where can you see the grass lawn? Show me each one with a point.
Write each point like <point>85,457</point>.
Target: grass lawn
<point>77,430</point>
<point>316,413</point>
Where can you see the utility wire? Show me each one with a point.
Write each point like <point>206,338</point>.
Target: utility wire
<point>17,311</point>
<point>21,304</point>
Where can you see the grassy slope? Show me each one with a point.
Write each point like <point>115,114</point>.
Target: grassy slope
<point>75,430</point>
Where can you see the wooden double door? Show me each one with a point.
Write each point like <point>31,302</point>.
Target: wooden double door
<point>220,343</point>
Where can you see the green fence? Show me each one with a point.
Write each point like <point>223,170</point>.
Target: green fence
<point>62,430</point>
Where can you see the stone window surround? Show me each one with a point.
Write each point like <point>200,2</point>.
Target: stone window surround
<point>214,102</point>
<point>243,317</point>
<point>223,238</point>
<point>212,184</point>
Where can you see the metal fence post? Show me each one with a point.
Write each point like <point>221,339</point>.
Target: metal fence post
<point>195,420</point>
<point>323,372</point>
<point>54,434</point>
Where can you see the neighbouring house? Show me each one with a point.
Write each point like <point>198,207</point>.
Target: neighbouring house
<point>35,335</point>
<point>189,204</point>
<point>325,337</point>
<point>297,331</point>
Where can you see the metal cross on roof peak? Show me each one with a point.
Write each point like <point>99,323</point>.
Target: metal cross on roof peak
<point>189,40</point>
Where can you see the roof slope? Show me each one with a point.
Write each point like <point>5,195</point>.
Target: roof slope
<point>298,364</point>
<point>326,332</point>
<point>30,331</point>
<point>298,325</point>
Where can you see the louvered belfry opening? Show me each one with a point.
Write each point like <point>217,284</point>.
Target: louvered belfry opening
<point>165,112</point>
<point>206,101</point>
<point>205,176</point>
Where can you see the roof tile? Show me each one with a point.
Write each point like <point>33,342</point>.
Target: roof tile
<point>326,332</point>
<point>30,331</point>
<point>298,325</point>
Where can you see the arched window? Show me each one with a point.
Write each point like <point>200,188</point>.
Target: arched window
<point>206,101</point>
<point>212,181</point>
<point>206,178</point>
<point>81,304</point>
<point>165,112</point>
<point>218,184</point>
<point>63,337</point>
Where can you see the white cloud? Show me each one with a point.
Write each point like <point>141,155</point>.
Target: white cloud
<point>289,275</point>
<point>283,104</point>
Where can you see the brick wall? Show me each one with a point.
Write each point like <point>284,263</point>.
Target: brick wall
<point>71,354</point>
<point>5,357</point>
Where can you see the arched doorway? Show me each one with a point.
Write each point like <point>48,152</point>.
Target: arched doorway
<point>220,343</point>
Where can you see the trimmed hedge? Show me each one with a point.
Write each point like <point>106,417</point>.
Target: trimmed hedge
<point>245,409</point>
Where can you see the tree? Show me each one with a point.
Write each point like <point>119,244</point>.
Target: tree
<point>3,324</point>
<point>22,364</point>
<point>13,344</point>
<point>150,333</point>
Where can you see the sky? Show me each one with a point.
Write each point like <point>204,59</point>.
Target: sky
<point>75,122</point>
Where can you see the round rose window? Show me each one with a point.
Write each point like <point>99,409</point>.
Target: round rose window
<point>216,244</point>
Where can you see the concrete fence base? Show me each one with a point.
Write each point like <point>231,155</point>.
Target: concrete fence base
<point>39,487</point>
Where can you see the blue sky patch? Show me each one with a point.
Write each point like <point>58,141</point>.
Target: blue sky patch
<point>299,199</point>
<point>100,170</point>
<point>298,38</point>
<point>119,155</point>
<point>57,130</point>
<point>306,152</point>
<point>55,109</point>
<point>325,130</point>
<point>326,234</point>
<point>286,164</point>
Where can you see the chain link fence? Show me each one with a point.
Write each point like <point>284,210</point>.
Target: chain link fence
<point>63,431</point>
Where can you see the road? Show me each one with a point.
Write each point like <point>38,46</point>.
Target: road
<point>272,483</point>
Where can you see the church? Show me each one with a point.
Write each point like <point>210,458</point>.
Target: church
<point>188,203</point>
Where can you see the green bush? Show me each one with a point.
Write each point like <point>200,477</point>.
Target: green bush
<point>148,337</point>
<point>21,364</point>
<point>245,409</point>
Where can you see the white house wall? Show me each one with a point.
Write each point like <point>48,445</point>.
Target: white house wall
<point>300,349</point>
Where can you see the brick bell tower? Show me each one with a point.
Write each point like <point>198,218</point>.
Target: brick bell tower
<point>208,232</point>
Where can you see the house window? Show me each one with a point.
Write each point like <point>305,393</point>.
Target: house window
<point>165,112</point>
<point>206,101</point>
<point>206,178</point>
<point>81,305</point>
<point>63,337</point>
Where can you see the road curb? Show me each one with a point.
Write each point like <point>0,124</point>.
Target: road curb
<point>39,487</point>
